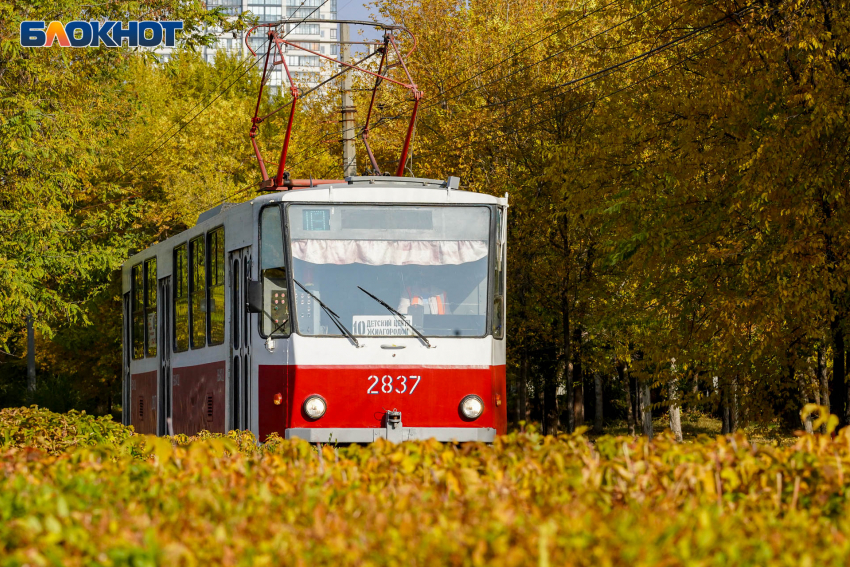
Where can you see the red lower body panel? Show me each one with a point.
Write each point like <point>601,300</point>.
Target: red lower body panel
<point>359,396</point>
<point>143,402</point>
<point>198,398</point>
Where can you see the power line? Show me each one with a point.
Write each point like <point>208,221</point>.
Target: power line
<point>597,75</point>
<point>551,55</point>
<point>635,59</point>
<point>221,92</point>
<point>557,115</point>
<point>183,127</point>
<point>525,67</point>
<point>526,48</point>
<point>607,95</point>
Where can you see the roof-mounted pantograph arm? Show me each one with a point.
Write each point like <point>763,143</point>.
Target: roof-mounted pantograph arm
<point>276,43</point>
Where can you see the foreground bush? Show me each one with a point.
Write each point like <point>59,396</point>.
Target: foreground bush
<point>58,432</point>
<point>525,500</point>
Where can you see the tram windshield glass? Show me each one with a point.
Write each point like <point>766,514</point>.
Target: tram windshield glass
<point>430,264</point>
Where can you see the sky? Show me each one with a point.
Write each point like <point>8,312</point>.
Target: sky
<point>357,10</point>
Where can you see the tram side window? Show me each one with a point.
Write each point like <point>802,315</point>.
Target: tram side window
<point>181,299</point>
<point>498,285</point>
<point>275,318</point>
<point>150,307</point>
<point>215,289</point>
<point>197,292</point>
<point>138,283</point>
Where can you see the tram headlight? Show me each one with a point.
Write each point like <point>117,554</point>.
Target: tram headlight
<point>315,406</point>
<point>471,406</point>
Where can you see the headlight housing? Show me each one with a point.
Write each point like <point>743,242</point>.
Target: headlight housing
<point>315,406</point>
<point>471,406</point>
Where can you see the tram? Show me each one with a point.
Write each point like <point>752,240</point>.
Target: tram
<point>335,311</point>
<point>371,307</point>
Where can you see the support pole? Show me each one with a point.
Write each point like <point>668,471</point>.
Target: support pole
<point>30,360</point>
<point>349,157</point>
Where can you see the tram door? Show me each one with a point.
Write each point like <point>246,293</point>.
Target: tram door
<point>164,350</point>
<point>240,350</point>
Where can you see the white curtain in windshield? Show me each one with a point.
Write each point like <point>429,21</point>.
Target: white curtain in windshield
<point>392,252</point>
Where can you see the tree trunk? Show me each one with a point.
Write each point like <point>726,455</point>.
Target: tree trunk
<point>733,406</point>
<point>30,360</point>
<point>674,410</point>
<point>637,411</point>
<point>626,379</point>
<point>646,408</point>
<point>597,406</point>
<point>725,428</point>
<point>839,393</point>
<point>565,318</point>
<point>539,410</point>
<point>807,423</point>
<point>522,390</point>
<point>551,421</point>
<point>823,383</point>
<point>576,393</point>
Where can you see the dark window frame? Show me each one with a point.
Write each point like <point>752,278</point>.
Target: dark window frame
<point>137,307</point>
<point>193,288</point>
<point>184,248</point>
<point>208,283</point>
<point>151,341</point>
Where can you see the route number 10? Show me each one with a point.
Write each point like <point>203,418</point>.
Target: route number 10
<point>385,385</point>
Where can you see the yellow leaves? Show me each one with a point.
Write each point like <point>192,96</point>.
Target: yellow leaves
<point>824,417</point>
<point>525,500</point>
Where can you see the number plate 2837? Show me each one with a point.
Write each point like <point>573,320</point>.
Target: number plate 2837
<point>387,384</point>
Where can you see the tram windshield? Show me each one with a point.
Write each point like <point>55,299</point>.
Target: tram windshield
<point>428,264</point>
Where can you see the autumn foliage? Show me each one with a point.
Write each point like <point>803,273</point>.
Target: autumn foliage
<point>527,499</point>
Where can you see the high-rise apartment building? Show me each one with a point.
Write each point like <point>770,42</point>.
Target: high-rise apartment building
<point>306,69</point>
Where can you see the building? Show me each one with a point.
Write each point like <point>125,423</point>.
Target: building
<point>313,34</point>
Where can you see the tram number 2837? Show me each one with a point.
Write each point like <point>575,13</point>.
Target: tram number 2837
<point>387,384</point>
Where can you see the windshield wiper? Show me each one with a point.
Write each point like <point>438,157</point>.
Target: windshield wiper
<point>334,317</point>
<point>399,315</point>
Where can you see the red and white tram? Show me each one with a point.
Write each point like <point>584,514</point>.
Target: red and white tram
<point>344,312</point>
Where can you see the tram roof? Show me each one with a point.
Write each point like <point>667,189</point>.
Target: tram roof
<point>374,190</point>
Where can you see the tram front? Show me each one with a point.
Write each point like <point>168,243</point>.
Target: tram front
<point>383,319</point>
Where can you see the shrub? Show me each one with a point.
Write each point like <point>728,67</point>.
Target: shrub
<point>58,432</point>
<point>527,499</point>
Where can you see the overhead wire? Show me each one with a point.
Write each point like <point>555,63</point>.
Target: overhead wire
<point>256,60</point>
<point>605,95</point>
<point>585,15</point>
<point>530,65</point>
<point>552,55</point>
<point>220,93</point>
<point>627,62</point>
<point>601,73</point>
<point>581,81</point>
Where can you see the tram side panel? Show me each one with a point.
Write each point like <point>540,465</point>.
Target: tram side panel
<point>143,411</point>
<point>198,398</point>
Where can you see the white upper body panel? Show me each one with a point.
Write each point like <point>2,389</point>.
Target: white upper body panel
<point>240,220</point>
